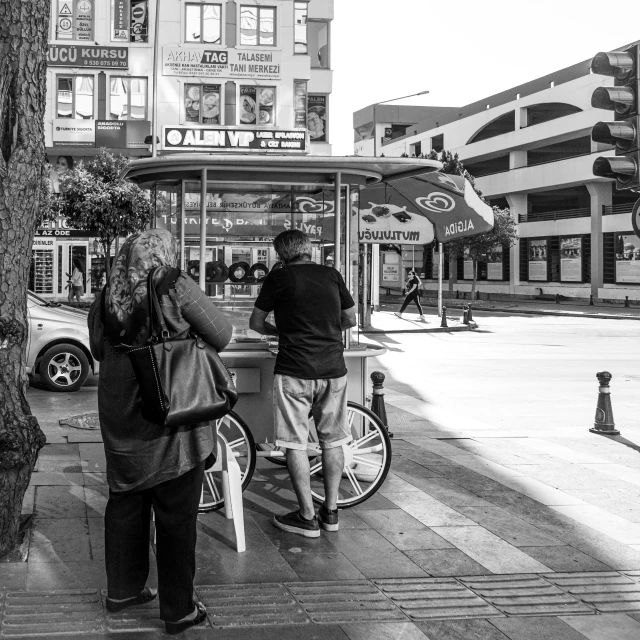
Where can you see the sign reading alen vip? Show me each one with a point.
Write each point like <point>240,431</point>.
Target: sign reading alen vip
<point>69,55</point>
<point>214,63</point>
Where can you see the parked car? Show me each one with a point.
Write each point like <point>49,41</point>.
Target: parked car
<point>58,347</point>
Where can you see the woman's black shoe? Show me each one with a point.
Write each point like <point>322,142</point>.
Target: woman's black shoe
<point>178,627</point>
<point>146,595</point>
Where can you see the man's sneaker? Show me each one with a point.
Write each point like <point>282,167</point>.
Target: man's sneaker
<point>398,314</point>
<point>423,319</point>
<point>328,519</point>
<point>294,523</point>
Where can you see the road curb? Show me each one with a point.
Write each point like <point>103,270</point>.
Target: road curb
<point>471,327</point>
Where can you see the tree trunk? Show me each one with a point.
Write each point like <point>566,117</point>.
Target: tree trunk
<point>23,41</point>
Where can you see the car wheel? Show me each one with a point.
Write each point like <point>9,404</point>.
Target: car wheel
<point>64,367</point>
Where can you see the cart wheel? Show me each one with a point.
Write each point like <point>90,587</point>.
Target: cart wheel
<point>237,434</point>
<point>367,459</point>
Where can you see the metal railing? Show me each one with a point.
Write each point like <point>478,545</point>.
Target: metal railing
<point>616,209</point>
<point>582,212</point>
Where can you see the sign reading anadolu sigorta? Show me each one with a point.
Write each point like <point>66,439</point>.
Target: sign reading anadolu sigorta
<point>235,139</point>
<point>70,55</point>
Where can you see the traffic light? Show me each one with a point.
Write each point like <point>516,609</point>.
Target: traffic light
<point>624,132</point>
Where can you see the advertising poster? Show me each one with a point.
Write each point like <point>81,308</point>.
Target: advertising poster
<point>468,265</point>
<point>84,20</point>
<point>390,272</point>
<point>435,264</point>
<point>537,259</point>
<point>64,21</point>
<point>627,258</point>
<point>571,259</point>
<point>74,133</point>
<point>202,103</point>
<point>121,14</point>
<point>139,21</point>
<point>494,264</point>
<point>317,117</point>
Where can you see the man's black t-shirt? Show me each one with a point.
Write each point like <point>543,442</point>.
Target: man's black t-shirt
<point>307,300</point>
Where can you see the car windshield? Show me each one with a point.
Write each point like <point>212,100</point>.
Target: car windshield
<point>39,301</point>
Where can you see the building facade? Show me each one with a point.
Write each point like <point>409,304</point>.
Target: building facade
<point>530,150</point>
<point>251,76</point>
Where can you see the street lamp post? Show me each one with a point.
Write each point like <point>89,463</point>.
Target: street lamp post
<point>375,120</point>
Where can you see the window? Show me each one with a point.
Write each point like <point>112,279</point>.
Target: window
<point>74,19</point>
<point>130,20</point>
<point>128,99</point>
<point>416,149</point>
<point>257,105</point>
<point>300,104</point>
<point>203,23</point>
<point>437,143</point>
<point>257,26</point>
<point>202,103</point>
<point>301,9</point>
<point>75,97</point>
<point>318,48</point>
<point>317,117</point>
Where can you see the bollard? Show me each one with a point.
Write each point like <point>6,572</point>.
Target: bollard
<point>457,295</point>
<point>469,314</point>
<point>604,413</point>
<point>591,300</point>
<point>557,298</point>
<point>465,315</point>
<point>477,295</point>
<point>377,402</point>
<point>626,301</point>
<point>443,321</point>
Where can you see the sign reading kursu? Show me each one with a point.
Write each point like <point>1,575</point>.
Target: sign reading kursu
<point>233,138</point>
<point>70,55</point>
<point>214,63</point>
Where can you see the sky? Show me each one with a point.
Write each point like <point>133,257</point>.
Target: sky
<point>459,50</point>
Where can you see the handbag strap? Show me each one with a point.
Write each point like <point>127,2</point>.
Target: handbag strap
<point>154,305</point>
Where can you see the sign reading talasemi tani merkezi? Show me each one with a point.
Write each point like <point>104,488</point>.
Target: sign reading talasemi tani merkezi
<point>233,138</point>
<point>216,63</point>
<point>69,55</point>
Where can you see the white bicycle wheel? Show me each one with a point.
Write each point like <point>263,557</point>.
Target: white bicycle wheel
<point>234,430</point>
<point>367,459</point>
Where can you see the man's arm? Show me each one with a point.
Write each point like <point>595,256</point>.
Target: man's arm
<point>348,318</point>
<point>258,322</point>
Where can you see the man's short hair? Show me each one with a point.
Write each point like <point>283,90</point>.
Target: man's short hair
<point>292,245</point>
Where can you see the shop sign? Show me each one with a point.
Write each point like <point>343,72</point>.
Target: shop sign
<point>197,62</point>
<point>122,134</point>
<point>627,259</point>
<point>571,259</point>
<point>61,228</point>
<point>468,265</point>
<point>73,133</point>
<point>121,12</point>
<point>538,260</point>
<point>42,243</point>
<point>63,55</point>
<point>317,117</point>
<point>390,272</point>
<point>387,223</point>
<point>494,263</point>
<point>234,139</point>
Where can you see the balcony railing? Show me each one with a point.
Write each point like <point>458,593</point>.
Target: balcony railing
<point>616,209</point>
<point>583,212</point>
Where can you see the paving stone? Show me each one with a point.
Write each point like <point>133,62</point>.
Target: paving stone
<point>604,522</point>
<point>321,566</point>
<point>376,501</point>
<point>394,484</point>
<point>69,575</point>
<point>96,538</point>
<point>565,558</point>
<point>28,502</point>
<point>450,492</point>
<point>13,576</point>
<point>541,492</point>
<point>525,595</point>
<point>510,528</point>
<point>59,539</point>
<point>281,632</point>
<point>59,502</point>
<point>282,541</point>
<point>461,630</point>
<point>383,631</point>
<point>428,510</point>
<point>489,550</point>
<point>95,497</point>
<point>348,601</point>
<point>250,605</point>
<point>431,598</point>
<point>135,620</point>
<point>605,627</point>
<point>92,457</point>
<point>59,457</point>
<point>536,629</point>
<point>56,478</point>
<point>52,613</point>
<point>446,562</point>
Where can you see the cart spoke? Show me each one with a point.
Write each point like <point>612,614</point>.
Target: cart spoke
<point>367,463</point>
<point>212,487</point>
<point>236,443</point>
<point>355,444</point>
<point>316,468</point>
<point>354,482</point>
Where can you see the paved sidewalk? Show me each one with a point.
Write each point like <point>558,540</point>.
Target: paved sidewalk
<point>475,534</point>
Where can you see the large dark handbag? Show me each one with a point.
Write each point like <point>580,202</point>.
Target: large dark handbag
<point>182,381</point>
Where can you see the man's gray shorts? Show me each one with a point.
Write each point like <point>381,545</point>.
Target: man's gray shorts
<point>326,400</point>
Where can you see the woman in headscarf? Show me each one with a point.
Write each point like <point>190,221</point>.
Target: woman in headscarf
<point>149,465</point>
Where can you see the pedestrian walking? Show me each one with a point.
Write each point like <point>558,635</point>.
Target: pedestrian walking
<point>312,307</point>
<point>412,288</point>
<point>150,466</point>
<point>76,281</point>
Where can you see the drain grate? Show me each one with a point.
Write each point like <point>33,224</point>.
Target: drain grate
<point>606,591</point>
<point>251,605</point>
<point>344,601</point>
<point>77,612</point>
<point>525,595</point>
<point>432,598</point>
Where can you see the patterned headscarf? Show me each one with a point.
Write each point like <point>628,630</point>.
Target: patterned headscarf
<point>127,308</point>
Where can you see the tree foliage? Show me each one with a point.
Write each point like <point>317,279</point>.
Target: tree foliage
<point>95,198</point>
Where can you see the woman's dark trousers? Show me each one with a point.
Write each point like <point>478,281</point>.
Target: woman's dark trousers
<point>415,297</point>
<point>175,504</point>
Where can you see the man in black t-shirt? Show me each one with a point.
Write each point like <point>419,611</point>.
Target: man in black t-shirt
<point>311,307</point>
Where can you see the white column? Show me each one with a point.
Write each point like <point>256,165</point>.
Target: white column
<point>601,196</point>
<point>517,206</point>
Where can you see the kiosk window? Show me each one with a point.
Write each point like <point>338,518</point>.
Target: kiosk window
<point>128,98</point>
<point>203,23</point>
<point>130,20</point>
<point>257,26</point>
<point>301,10</point>
<point>202,103</point>
<point>75,97</point>
<point>257,105</point>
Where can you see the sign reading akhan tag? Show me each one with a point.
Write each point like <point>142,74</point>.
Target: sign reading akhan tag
<point>235,139</point>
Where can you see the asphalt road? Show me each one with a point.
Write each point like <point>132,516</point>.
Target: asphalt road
<point>517,372</point>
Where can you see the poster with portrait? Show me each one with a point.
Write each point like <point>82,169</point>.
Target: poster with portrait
<point>317,117</point>
<point>571,259</point>
<point>59,167</point>
<point>435,264</point>
<point>495,263</point>
<point>467,273</point>
<point>537,259</point>
<point>627,258</point>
